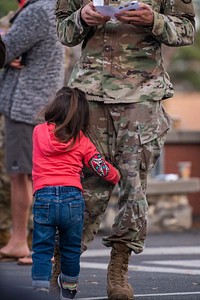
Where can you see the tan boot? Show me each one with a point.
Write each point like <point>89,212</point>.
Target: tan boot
<point>54,288</point>
<point>117,286</point>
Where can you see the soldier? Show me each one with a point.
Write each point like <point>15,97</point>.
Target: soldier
<point>121,70</point>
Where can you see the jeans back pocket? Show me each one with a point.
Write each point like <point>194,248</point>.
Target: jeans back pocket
<point>76,209</point>
<point>41,213</point>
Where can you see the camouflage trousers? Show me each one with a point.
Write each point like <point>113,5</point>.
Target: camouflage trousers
<point>131,137</point>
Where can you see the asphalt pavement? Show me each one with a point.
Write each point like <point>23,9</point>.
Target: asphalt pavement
<point>168,269</point>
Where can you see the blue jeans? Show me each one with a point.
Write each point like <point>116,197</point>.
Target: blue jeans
<point>57,208</point>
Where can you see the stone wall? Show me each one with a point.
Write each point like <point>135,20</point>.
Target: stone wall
<point>169,213</point>
<point>166,213</point>
<point>169,207</point>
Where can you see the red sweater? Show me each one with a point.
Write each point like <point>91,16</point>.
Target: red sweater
<point>55,165</point>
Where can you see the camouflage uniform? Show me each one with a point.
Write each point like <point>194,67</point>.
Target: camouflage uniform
<point>122,73</point>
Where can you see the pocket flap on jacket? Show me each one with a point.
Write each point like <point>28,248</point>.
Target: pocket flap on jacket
<point>153,128</point>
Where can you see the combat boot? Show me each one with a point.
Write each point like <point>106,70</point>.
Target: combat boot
<point>117,286</point>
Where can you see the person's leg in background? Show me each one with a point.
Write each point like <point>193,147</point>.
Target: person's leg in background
<point>18,151</point>
<point>5,214</point>
<point>21,200</point>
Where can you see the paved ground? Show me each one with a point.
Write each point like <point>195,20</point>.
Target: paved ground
<point>168,269</point>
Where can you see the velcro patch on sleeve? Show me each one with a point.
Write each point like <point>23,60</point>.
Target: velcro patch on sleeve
<point>99,165</point>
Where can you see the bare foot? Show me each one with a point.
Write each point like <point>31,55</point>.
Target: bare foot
<point>26,260</point>
<point>15,250</point>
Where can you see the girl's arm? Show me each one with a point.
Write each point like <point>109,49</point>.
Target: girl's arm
<point>96,162</point>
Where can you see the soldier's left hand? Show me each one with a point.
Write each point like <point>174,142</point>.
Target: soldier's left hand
<point>139,17</point>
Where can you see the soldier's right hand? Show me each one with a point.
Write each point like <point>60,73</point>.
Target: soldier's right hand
<point>91,17</point>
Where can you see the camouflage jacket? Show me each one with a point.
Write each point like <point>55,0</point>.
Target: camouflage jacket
<point>122,63</point>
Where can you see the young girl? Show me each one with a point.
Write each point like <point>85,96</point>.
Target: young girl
<point>60,148</point>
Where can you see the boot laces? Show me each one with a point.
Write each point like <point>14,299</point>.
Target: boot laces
<point>118,268</point>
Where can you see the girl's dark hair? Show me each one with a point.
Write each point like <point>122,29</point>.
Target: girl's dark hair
<point>69,111</point>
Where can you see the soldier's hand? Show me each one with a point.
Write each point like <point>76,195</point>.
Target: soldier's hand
<point>91,17</point>
<point>140,17</point>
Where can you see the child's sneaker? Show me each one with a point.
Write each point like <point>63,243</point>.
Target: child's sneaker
<point>67,290</point>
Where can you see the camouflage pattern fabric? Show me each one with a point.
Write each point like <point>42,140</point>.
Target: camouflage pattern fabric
<point>122,63</point>
<point>122,73</point>
<point>132,142</point>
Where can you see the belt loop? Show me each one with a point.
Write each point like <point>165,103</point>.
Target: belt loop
<point>57,191</point>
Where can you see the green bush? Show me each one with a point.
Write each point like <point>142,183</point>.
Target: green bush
<point>6,6</point>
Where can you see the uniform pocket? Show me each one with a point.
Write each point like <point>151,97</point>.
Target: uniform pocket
<point>153,128</point>
<point>151,152</point>
<point>152,135</point>
<point>133,216</point>
<point>139,214</point>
